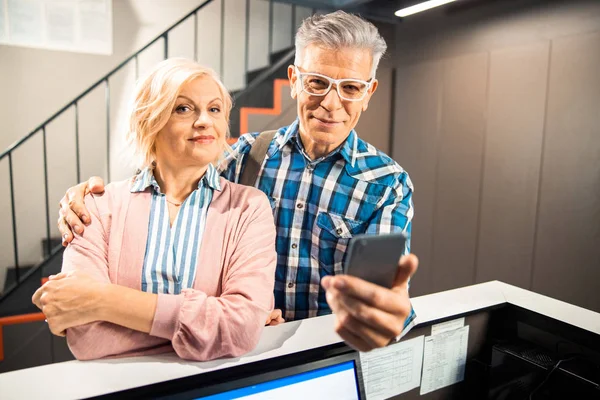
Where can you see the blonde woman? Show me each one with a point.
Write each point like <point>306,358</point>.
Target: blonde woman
<point>176,259</point>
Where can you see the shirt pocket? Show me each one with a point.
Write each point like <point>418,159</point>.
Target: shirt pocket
<point>331,235</point>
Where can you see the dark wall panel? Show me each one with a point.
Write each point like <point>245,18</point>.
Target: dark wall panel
<point>567,252</point>
<point>515,124</point>
<point>416,133</point>
<point>459,171</point>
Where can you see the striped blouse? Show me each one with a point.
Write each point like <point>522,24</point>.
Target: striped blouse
<point>172,251</point>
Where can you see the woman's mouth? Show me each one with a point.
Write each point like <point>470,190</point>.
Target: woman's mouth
<point>203,139</point>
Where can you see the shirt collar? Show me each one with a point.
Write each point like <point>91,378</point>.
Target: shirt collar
<point>145,178</point>
<point>348,149</point>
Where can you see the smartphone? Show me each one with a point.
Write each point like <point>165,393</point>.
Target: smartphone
<point>375,258</point>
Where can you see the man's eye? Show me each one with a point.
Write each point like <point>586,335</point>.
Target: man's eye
<point>351,88</point>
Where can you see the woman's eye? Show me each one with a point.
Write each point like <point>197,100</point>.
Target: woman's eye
<point>182,109</point>
<point>215,109</point>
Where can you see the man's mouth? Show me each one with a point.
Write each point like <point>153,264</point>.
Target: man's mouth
<point>328,122</point>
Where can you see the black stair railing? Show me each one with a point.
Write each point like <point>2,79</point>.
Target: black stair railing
<point>51,251</point>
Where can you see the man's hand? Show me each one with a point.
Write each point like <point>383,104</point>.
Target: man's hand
<point>72,214</point>
<point>69,299</point>
<point>275,318</point>
<point>369,316</point>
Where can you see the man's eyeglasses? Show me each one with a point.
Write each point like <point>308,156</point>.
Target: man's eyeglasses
<point>320,85</point>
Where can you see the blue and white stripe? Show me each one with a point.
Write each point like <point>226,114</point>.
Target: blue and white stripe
<point>172,251</point>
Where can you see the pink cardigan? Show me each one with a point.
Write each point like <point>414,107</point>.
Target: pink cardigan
<point>225,312</point>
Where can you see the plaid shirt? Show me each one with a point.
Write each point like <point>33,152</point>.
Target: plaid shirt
<point>318,205</point>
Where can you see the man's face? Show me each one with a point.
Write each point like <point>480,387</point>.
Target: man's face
<point>326,121</point>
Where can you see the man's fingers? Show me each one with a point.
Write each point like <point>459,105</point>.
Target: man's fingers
<point>65,231</point>
<point>73,223</point>
<point>352,340</point>
<point>384,324</point>
<point>371,337</point>
<point>407,267</point>
<point>367,292</point>
<point>95,185</point>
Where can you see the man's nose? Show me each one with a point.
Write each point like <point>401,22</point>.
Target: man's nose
<point>331,101</point>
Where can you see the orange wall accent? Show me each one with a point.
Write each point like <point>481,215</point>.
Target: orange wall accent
<point>17,319</point>
<point>276,110</point>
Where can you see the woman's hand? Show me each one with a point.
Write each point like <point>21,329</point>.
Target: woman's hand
<point>69,299</point>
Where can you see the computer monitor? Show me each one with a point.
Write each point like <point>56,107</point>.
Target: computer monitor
<point>336,377</point>
<point>337,381</point>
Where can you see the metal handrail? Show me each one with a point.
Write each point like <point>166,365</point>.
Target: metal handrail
<point>104,80</point>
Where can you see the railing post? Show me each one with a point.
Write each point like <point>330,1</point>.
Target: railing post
<point>48,245</point>
<point>107,104</point>
<point>14,215</point>
<point>270,29</point>
<point>247,49</point>
<point>166,44</point>
<point>222,59</point>
<point>77,157</point>
<point>196,36</point>
<point>293,24</point>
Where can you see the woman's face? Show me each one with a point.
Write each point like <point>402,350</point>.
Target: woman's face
<point>196,131</point>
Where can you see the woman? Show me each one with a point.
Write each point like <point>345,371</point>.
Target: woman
<point>176,258</point>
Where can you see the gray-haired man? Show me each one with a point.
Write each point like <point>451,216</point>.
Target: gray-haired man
<point>325,185</point>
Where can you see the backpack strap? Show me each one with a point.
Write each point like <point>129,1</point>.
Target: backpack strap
<point>256,157</point>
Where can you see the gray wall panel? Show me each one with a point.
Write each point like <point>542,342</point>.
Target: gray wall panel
<point>515,124</point>
<point>416,133</point>
<point>459,170</point>
<point>567,253</point>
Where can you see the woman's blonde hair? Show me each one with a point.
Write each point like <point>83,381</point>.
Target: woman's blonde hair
<point>154,99</point>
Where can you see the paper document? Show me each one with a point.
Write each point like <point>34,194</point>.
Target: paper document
<point>444,359</point>
<point>392,370</point>
<point>448,326</point>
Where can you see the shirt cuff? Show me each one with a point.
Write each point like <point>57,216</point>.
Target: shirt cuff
<point>411,321</point>
<point>166,316</point>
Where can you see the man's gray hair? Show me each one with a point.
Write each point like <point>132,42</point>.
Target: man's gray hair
<point>339,30</point>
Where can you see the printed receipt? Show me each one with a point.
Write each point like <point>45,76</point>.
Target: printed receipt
<point>392,370</point>
<point>444,359</point>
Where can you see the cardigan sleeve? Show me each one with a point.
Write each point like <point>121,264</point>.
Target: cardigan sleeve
<point>89,253</point>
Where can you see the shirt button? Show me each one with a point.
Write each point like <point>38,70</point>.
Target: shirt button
<point>294,246</point>
<point>300,205</point>
<point>339,231</point>
<point>291,284</point>
<point>310,167</point>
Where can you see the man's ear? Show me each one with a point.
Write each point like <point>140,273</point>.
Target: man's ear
<point>372,90</point>
<point>292,77</point>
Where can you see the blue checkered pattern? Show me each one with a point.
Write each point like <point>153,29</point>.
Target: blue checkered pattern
<point>319,205</point>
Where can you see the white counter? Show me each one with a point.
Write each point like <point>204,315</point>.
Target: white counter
<point>76,379</point>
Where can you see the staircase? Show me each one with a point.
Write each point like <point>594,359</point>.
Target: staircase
<point>263,103</point>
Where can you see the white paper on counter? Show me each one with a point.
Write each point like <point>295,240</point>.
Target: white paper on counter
<point>444,359</point>
<point>392,370</point>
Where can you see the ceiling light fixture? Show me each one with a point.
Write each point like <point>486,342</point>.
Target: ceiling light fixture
<point>421,7</point>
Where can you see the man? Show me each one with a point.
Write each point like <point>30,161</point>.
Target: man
<point>325,185</point>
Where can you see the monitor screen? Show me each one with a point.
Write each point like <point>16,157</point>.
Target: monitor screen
<point>337,381</point>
